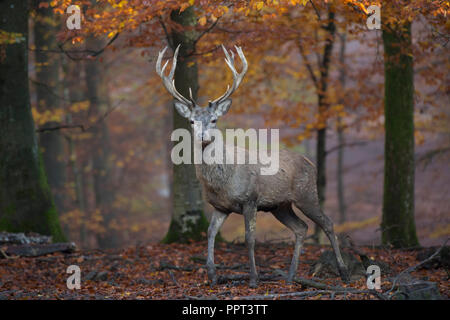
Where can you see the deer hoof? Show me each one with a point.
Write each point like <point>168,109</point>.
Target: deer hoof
<point>212,282</point>
<point>290,277</point>
<point>253,283</point>
<point>345,275</point>
<point>212,276</point>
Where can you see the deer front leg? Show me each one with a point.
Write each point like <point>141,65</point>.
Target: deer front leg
<point>217,220</point>
<point>250,224</point>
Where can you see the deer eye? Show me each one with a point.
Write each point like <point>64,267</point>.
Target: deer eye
<point>213,121</point>
<point>192,121</point>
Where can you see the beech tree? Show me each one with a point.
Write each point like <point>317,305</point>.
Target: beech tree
<point>48,96</point>
<point>188,218</point>
<point>398,225</point>
<point>26,203</point>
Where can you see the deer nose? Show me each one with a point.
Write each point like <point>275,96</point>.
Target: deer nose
<point>202,136</point>
<point>206,136</point>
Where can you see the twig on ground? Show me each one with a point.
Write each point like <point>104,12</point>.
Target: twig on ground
<point>332,294</point>
<point>4,255</point>
<point>237,266</point>
<point>172,276</point>
<point>411,269</point>
<point>239,277</point>
<point>166,266</point>
<point>323,286</point>
<point>194,298</point>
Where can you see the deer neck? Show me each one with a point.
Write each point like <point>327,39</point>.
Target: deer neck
<point>215,175</point>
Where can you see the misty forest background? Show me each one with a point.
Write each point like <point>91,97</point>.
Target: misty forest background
<point>85,121</point>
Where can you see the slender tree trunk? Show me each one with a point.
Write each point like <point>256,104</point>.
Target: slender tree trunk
<point>188,218</point>
<point>398,224</point>
<point>73,92</point>
<point>103,188</point>
<point>323,107</point>
<point>339,172</point>
<point>26,203</point>
<point>341,138</point>
<point>78,186</point>
<point>48,91</point>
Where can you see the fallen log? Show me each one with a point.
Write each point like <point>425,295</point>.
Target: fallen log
<point>36,250</point>
<point>21,238</point>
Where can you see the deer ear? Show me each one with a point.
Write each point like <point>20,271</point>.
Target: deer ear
<point>222,108</point>
<point>182,109</point>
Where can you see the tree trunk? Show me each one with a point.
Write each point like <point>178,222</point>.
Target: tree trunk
<point>73,92</point>
<point>339,172</point>
<point>398,225</point>
<point>48,92</point>
<point>26,203</point>
<point>103,188</point>
<point>340,134</point>
<point>323,106</point>
<point>188,218</point>
<point>78,184</point>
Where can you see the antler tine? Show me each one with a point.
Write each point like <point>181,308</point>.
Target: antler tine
<point>237,77</point>
<point>191,96</point>
<point>174,62</point>
<point>169,82</point>
<point>227,55</point>
<point>158,62</point>
<point>244,64</point>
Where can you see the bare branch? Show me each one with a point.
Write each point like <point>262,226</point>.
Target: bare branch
<point>429,155</point>
<point>315,9</point>
<point>168,37</point>
<point>205,32</point>
<point>83,127</point>
<point>203,53</point>
<point>51,91</point>
<point>308,65</point>
<point>344,145</point>
<point>89,53</point>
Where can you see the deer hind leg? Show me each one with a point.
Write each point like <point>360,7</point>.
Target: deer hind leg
<point>249,213</point>
<point>217,221</point>
<point>312,210</point>
<point>287,216</point>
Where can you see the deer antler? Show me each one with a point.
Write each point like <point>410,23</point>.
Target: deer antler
<point>169,82</point>
<point>237,77</point>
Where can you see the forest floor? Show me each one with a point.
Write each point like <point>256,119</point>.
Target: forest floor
<point>177,271</point>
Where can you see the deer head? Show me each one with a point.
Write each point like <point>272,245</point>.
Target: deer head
<point>202,120</point>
